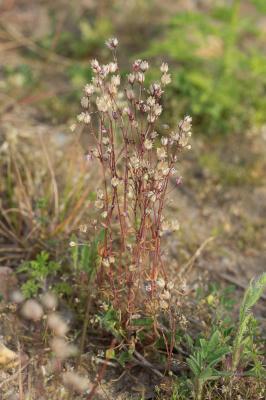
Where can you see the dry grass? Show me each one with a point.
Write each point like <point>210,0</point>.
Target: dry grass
<point>45,191</point>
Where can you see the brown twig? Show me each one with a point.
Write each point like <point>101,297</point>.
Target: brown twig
<point>185,269</point>
<point>147,364</point>
<point>19,38</point>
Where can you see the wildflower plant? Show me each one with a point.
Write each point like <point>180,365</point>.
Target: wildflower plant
<point>136,163</point>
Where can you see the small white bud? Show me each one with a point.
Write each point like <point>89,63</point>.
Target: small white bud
<point>31,309</point>
<point>164,68</point>
<point>57,324</point>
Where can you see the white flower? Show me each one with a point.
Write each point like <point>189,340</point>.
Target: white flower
<point>73,127</point>
<point>112,88</point>
<point>72,244</point>
<point>113,67</point>
<point>105,140</point>
<point>105,70</point>
<point>99,204</point>
<point>84,102</point>
<point>154,134</point>
<point>135,162</point>
<point>112,43</point>
<point>155,90</point>
<point>95,152</point>
<point>175,225</point>
<point>151,118</point>
<point>164,68</point>
<point>97,81</point>
<point>84,117</point>
<point>140,77</point>
<point>183,141</point>
<point>164,141</point>
<point>161,153</point>
<point>136,65</point>
<point>100,194</point>
<point>157,109</point>
<point>95,66</point>
<point>185,125</point>
<point>131,78</point>
<point>161,282</point>
<point>115,80</point>
<point>104,214</point>
<point>80,117</point>
<point>111,259</point>
<point>103,103</point>
<point>83,228</point>
<point>166,171</point>
<point>166,79</point>
<point>175,136</point>
<point>115,181</point>
<point>144,65</point>
<point>106,262</point>
<point>148,144</point>
<point>130,94</point>
<point>170,285</point>
<point>151,101</point>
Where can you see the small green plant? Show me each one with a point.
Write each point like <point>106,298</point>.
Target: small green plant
<point>252,295</point>
<point>85,257</point>
<point>111,321</point>
<point>207,359</point>
<point>37,273</point>
<point>204,359</point>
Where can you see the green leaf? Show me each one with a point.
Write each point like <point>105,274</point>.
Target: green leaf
<point>109,354</point>
<point>194,365</point>
<point>142,322</point>
<point>124,357</point>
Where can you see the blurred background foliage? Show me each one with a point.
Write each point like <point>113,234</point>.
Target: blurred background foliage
<point>216,51</point>
<point>219,67</point>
